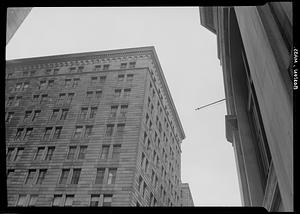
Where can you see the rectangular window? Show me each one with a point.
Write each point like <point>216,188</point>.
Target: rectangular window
<point>113,111</point>
<point>18,100</point>
<point>112,176</point>
<point>25,86</point>
<point>27,115</point>
<point>64,114</point>
<point>88,131</point>
<point>18,87</point>
<point>62,97</point>
<point>50,83</point>
<point>9,155</point>
<point>19,134</point>
<point>94,200</point>
<point>93,112</point>
<point>107,200</point>
<point>100,176</point>
<point>57,132</point>
<point>83,113</point>
<point>116,152</point>
<point>54,115</point>
<point>89,94</point>
<point>64,176</point>
<point>57,200</point>
<point>121,77</point>
<point>44,98</point>
<point>104,153</point>
<point>109,130</point>
<point>19,154</point>
<point>123,65</point>
<point>47,71</point>
<point>55,71</point>
<point>70,97</point>
<point>98,94</point>
<point>132,64</point>
<point>39,153</point>
<point>36,114</point>
<point>10,101</point>
<point>28,133</point>
<point>47,134</point>
<point>82,151</point>
<point>76,175</point>
<point>10,174</point>
<point>102,79</point>
<point>117,92</point>
<point>21,200</point>
<point>80,69</point>
<point>123,110</point>
<point>69,200</point>
<point>127,92</point>
<point>94,80</point>
<point>41,176</point>
<point>120,129</point>
<point>33,200</point>
<point>71,153</point>
<point>105,67</point>
<point>50,152</point>
<point>129,77</point>
<point>75,82</point>
<point>72,69</point>
<point>25,73</point>
<point>78,132</point>
<point>30,176</point>
<point>97,67</point>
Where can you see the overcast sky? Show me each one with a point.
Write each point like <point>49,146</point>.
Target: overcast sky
<point>188,55</point>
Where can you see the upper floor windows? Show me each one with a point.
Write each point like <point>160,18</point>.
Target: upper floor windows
<point>9,116</point>
<point>119,130</point>
<point>22,86</point>
<point>105,67</point>
<point>129,77</point>
<point>79,130</point>
<point>46,84</point>
<point>132,64</point>
<point>123,65</point>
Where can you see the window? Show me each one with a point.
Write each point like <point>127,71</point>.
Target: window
<point>27,115</point>
<point>76,175</point>
<point>82,151</point>
<point>100,176</point>
<point>9,155</point>
<point>109,130</point>
<point>89,94</point>
<point>47,134</point>
<point>57,132</point>
<point>70,97</point>
<point>19,154</point>
<point>111,176</point>
<point>117,92</point>
<point>127,92</point>
<point>30,176</point>
<point>69,200</point>
<point>102,79</point>
<point>17,103</point>
<point>28,133</point>
<point>55,71</point>
<point>105,67</point>
<point>107,200</point>
<point>83,113</point>
<point>88,131</point>
<point>113,111</point>
<point>57,200</point>
<point>98,94</point>
<point>10,173</point>
<point>50,83</point>
<point>104,153</point>
<point>75,82</point>
<point>121,77</point>
<point>54,114</point>
<point>25,86</point>
<point>41,176</point>
<point>64,176</point>
<point>62,97</point>
<point>94,200</point>
<point>80,69</point>
<point>94,80</point>
<point>33,200</point>
<point>36,114</point>
<point>18,87</point>
<point>123,65</point>
<point>72,69</point>
<point>120,129</point>
<point>97,67</point>
<point>78,132</point>
<point>116,151</point>
<point>44,98</point>
<point>50,152</point>
<point>132,64</point>
<point>10,101</point>
<point>64,114</point>
<point>71,153</point>
<point>140,183</point>
<point>21,201</point>
<point>93,112</point>
<point>19,134</point>
<point>129,77</point>
<point>123,110</point>
<point>39,153</point>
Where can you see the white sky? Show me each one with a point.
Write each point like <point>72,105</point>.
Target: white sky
<point>188,55</point>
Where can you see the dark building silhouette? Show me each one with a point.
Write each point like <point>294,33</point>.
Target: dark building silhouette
<point>92,129</point>
<point>255,51</point>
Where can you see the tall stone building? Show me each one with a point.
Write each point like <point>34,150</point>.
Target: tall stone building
<point>255,50</point>
<point>92,129</point>
<point>186,195</point>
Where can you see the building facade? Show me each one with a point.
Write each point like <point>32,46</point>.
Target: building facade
<point>186,195</point>
<point>15,17</point>
<point>255,51</point>
<point>92,129</point>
